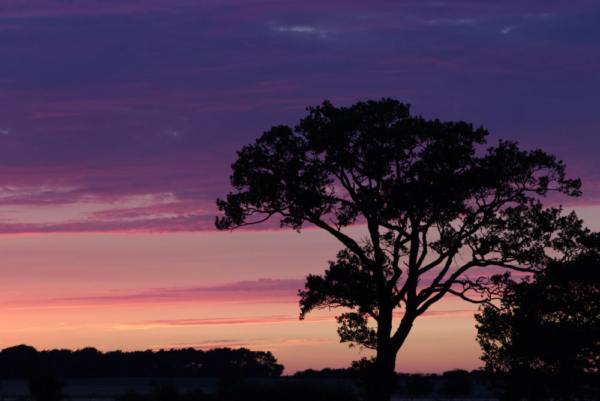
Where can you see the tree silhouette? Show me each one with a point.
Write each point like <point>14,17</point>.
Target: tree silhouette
<point>434,203</point>
<point>22,361</point>
<point>544,341</point>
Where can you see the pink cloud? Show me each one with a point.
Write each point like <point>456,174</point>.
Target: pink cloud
<point>187,223</point>
<point>262,343</point>
<point>174,208</point>
<point>40,115</point>
<point>218,322</point>
<point>153,324</point>
<point>257,291</point>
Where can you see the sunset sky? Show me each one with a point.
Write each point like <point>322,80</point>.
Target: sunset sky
<point>119,121</point>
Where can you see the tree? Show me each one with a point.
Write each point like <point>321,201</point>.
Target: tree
<point>543,342</point>
<point>23,361</point>
<point>44,386</point>
<point>434,203</point>
<point>419,384</point>
<point>457,382</point>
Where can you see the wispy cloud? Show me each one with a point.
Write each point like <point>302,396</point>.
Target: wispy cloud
<point>449,21</point>
<point>262,343</point>
<point>300,29</point>
<point>297,28</point>
<point>40,115</point>
<point>263,290</point>
<point>218,322</point>
<point>154,324</point>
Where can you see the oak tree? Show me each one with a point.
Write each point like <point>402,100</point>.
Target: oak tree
<point>434,203</point>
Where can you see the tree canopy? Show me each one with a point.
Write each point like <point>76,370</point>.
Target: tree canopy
<point>22,361</point>
<point>434,203</point>
<point>543,342</point>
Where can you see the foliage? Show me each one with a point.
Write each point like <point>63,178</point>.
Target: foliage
<point>366,375</point>
<point>46,387</point>
<point>457,382</point>
<point>230,377</point>
<point>22,361</point>
<point>326,373</point>
<point>165,391</point>
<point>544,340</point>
<point>419,385</point>
<point>433,202</point>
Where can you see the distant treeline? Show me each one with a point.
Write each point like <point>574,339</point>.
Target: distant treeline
<point>453,382</point>
<point>349,373</point>
<point>22,361</point>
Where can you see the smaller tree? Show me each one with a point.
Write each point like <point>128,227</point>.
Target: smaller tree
<point>457,382</point>
<point>419,384</point>
<point>44,386</point>
<point>543,342</point>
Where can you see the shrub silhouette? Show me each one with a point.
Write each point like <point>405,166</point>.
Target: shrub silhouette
<point>46,387</point>
<point>326,373</point>
<point>165,392</point>
<point>419,385</point>
<point>229,377</point>
<point>457,382</point>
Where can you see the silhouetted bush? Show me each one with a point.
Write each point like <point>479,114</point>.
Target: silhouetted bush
<point>46,387</point>
<point>457,382</point>
<point>232,376</point>
<point>366,376</point>
<point>165,392</point>
<point>419,385</point>
<point>132,396</point>
<point>325,373</point>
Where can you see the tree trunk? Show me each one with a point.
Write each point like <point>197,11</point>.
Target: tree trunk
<point>382,378</point>
<point>384,375</point>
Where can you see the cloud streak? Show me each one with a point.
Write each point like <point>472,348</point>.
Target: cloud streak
<point>260,343</point>
<point>263,290</point>
<point>217,322</point>
<point>155,324</point>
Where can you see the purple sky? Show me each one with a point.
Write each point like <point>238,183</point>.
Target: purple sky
<point>141,104</point>
<point>123,117</point>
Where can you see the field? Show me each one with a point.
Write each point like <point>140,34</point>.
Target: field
<point>108,389</point>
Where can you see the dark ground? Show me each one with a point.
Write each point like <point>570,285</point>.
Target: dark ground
<point>108,389</point>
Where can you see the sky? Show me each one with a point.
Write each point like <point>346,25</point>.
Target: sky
<point>119,121</point>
